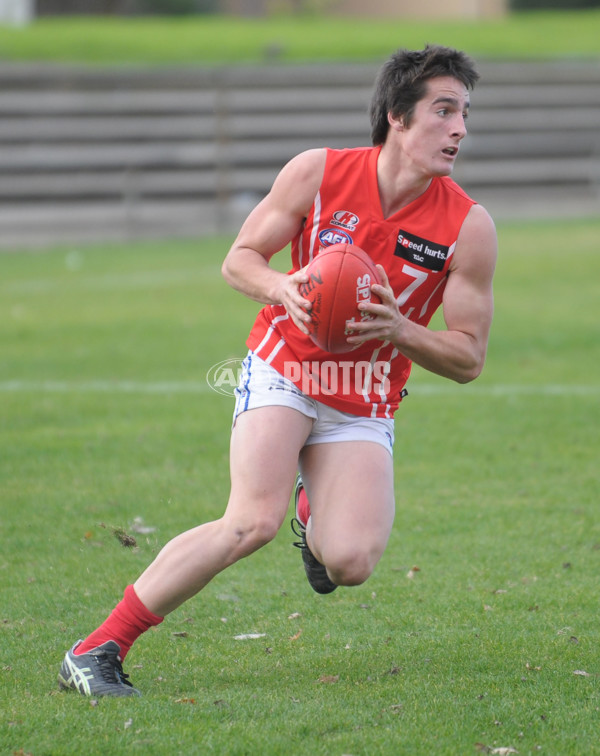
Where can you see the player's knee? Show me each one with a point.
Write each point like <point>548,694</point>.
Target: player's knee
<point>253,533</point>
<point>265,528</point>
<point>351,568</point>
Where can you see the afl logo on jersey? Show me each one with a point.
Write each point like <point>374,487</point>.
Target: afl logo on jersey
<point>345,219</point>
<point>330,236</point>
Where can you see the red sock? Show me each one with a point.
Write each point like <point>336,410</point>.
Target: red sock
<point>303,507</point>
<point>127,621</point>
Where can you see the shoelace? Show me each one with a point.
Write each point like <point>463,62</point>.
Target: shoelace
<point>299,530</point>
<point>108,667</point>
<point>318,570</point>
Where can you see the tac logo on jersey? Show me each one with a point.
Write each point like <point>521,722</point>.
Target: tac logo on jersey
<point>345,219</point>
<point>330,236</point>
<point>423,252</point>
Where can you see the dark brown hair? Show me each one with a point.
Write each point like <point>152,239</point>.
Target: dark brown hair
<point>402,82</point>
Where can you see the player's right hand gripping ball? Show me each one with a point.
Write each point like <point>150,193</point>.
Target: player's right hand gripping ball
<point>339,278</point>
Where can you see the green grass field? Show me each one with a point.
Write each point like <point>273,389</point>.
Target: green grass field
<point>106,417</point>
<point>216,40</point>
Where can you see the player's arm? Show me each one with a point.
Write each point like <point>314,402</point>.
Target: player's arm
<point>268,229</point>
<point>459,351</point>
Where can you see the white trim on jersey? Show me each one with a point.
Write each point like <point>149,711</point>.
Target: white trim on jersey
<point>271,356</point>
<point>270,331</point>
<point>442,281</point>
<point>315,227</point>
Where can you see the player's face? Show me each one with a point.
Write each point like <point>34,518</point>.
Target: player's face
<point>433,138</point>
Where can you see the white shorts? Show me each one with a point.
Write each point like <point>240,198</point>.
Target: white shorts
<point>260,385</point>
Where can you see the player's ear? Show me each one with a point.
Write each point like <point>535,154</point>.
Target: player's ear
<point>396,122</point>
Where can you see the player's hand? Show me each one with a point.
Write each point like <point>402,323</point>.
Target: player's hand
<point>386,319</point>
<point>290,297</point>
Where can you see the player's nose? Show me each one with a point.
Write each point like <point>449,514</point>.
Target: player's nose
<point>459,127</point>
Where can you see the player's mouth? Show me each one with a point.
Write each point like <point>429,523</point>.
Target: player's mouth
<point>451,151</point>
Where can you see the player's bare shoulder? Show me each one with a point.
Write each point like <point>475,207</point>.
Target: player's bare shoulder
<point>299,179</point>
<point>308,165</point>
<point>477,244</point>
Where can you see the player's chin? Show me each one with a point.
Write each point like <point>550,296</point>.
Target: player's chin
<point>445,169</point>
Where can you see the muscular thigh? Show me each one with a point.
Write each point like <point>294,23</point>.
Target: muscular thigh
<point>350,487</point>
<point>265,446</point>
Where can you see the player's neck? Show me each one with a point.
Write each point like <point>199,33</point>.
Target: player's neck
<point>398,184</point>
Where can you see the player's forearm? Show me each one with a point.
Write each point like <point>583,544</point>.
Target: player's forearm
<point>247,271</point>
<point>451,354</point>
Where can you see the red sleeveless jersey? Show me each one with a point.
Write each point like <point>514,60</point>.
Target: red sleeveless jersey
<point>415,247</point>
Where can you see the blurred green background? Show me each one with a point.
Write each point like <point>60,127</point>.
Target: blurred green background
<point>167,32</point>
